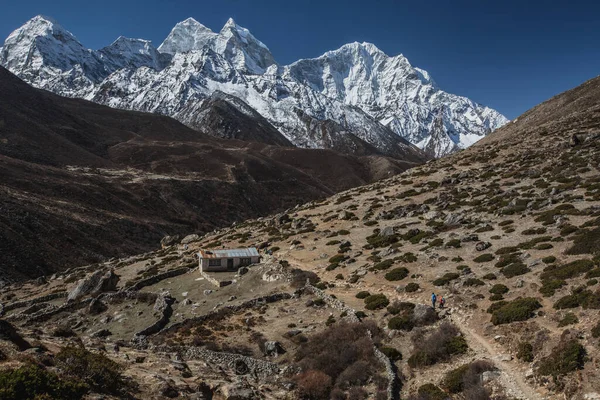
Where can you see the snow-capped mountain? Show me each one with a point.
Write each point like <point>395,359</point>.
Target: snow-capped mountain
<point>353,98</point>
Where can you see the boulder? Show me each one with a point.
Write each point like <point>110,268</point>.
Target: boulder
<point>98,282</point>
<point>387,231</point>
<point>169,241</point>
<point>470,238</point>
<point>453,219</point>
<point>101,333</point>
<point>238,391</point>
<point>96,307</point>
<point>273,348</point>
<point>424,315</point>
<point>481,246</point>
<point>190,239</point>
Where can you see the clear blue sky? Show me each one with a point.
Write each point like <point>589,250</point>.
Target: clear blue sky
<point>509,55</point>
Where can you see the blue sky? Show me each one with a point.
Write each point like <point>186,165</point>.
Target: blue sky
<point>509,55</point>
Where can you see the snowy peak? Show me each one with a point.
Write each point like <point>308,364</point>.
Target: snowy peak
<point>186,36</point>
<point>242,49</point>
<point>132,53</point>
<point>41,40</point>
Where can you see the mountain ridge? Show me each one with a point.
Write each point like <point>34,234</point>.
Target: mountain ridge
<point>193,61</point>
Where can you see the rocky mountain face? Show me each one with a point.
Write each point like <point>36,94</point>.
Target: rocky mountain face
<point>356,94</point>
<point>82,182</point>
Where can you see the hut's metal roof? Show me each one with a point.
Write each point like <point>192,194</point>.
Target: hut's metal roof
<point>229,253</point>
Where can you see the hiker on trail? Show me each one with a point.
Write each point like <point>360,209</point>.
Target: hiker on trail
<point>442,302</point>
<point>433,299</point>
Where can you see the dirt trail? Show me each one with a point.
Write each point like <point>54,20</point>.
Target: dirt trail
<point>510,378</point>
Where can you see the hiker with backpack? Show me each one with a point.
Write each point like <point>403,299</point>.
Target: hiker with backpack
<point>433,300</point>
<point>442,301</point>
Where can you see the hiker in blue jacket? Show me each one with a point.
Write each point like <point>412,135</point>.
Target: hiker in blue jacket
<point>433,299</point>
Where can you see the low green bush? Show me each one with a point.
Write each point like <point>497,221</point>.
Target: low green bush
<point>548,260</point>
<point>401,322</point>
<point>517,310</point>
<point>362,294</point>
<point>586,243</point>
<point>34,382</point>
<point>453,243</point>
<point>484,258</point>
<point>411,287</point>
<point>525,352</point>
<point>549,287</point>
<point>96,370</point>
<point>499,289</point>
<point>391,353</point>
<point>438,345</point>
<point>383,265</point>
<point>567,271</point>
<point>568,319</point>
<point>596,330</point>
<point>431,392</point>
<point>397,274</point>
<point>567,357</point>
<point>515,269</point>
<point>473,282</point>
<point>376,302</point>
<point>447,278</point>
<point>490,277</point>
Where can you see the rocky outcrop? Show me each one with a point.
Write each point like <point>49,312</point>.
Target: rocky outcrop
<point>169,241</point>
<point>98,282</point>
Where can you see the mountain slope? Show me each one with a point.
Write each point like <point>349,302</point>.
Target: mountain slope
<point>369,96</point>
<point>82,182</point>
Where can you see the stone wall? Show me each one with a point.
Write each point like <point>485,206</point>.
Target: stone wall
<point>162,306</point>
<point>238,364</point>
<point>46,315</point>
<point>28,303</point>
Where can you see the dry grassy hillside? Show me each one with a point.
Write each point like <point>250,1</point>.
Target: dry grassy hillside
<point>508,232</point>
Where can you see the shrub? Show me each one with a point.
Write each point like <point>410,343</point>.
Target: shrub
<point>548,260</point>
<point>568,319</point>
<point>314,384</point>
<point>515,269</point>
<point>516,310</point>
<point>34,382</point>
<point>484,258</point>
<point>362,294</point>
<point>473,282</point>
<point>299,278</point>
<point>376,241</point>
<point>499,289</point>
<point>549,287</point>
<point>398,307</point>
<point>96,370</point>
<point>439,345</point>
<point>342,355</point>
<point>450,276</point>
<point>489,277</point>
<point>543,246</point>
<point>496,297</point>
<point>587,243</point>
<point>453,243</point>
<point>402,322</point>
<point>534,231</point>
<point>567,271</point>
<point>525,352</point>
<point>391,353</point>
<point>397,274</point>
<point>567,357</point>
<point>383,265</point>
<point>412,287</point>
<point>332,242</point>
<point>431,392</point>
<point>338,258</point>
<point>578,297</point>
<point>376,302</point>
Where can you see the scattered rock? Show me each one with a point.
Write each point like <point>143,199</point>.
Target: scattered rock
<point>101,333</point>
<point>169,241</point>
<point>273,348</point>
<point>481,246</point>
<point>191,239</point>
<point>488,376</point>
<point>387,231</point>
<point>96,307</point>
